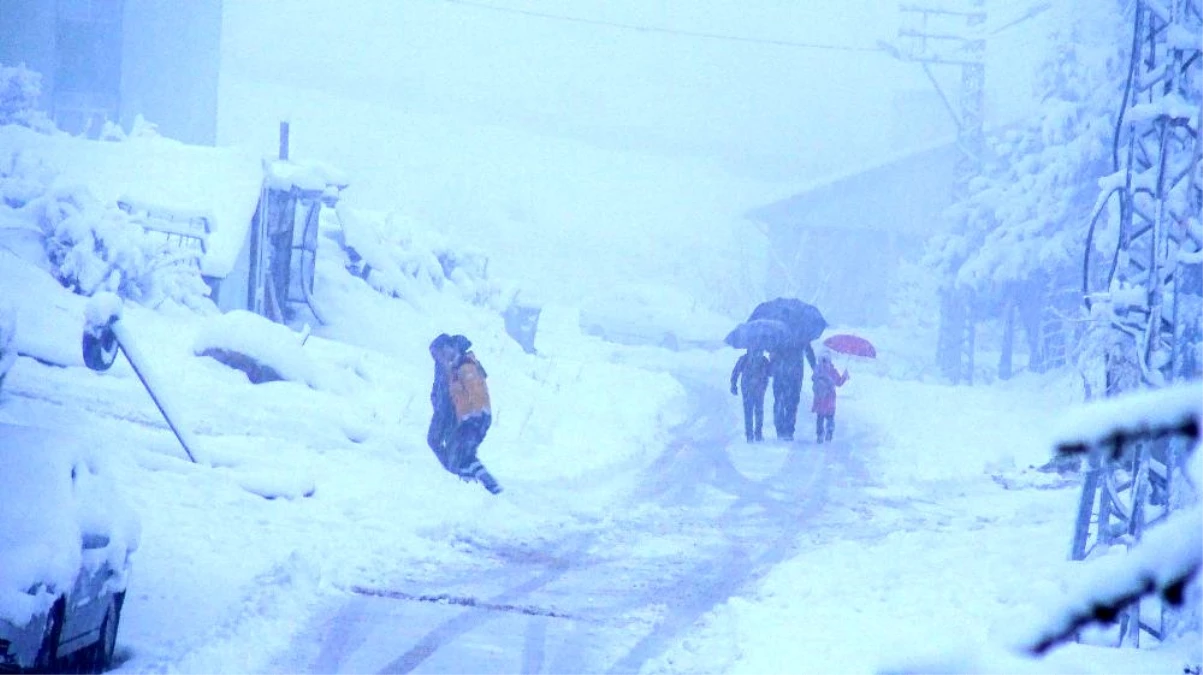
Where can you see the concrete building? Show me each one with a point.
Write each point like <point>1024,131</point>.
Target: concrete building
<point>117,59</point>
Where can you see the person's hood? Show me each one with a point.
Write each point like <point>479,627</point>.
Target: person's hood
<point>442,340</point>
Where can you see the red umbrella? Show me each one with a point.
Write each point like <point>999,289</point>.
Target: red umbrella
<point>853,345</point>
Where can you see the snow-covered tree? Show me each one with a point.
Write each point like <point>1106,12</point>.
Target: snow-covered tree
<point>1022,226</point>
<point>20,89</point>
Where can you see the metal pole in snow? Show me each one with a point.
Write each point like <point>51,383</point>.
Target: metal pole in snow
<point>134,356</point>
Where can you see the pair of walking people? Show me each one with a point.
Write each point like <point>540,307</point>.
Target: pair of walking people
<point>462,414</point>
<point>785,368</point>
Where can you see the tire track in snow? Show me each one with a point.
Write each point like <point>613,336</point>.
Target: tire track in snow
<point>723,530</point>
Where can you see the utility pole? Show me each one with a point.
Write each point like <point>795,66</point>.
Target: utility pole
<point>1154,285</point>
<point>953,34</point>
<point>1151,288</point>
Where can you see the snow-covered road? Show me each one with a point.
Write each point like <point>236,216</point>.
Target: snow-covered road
<point>663,543</point>
<point>711,515</point>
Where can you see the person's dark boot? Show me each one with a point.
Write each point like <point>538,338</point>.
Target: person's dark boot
<point>486,479</point>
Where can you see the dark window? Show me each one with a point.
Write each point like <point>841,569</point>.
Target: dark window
<point>88,77</point>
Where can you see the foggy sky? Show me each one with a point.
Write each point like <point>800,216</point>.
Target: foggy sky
<point>756,106</point>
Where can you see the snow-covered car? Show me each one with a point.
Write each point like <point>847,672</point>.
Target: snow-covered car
<point>654,315</point>
<point>66,537</point>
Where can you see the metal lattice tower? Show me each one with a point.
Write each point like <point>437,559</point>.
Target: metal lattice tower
<point>953,34</point>
<point>1153,285</point>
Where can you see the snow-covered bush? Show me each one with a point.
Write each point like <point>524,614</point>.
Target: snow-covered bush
<point>401,257</point>
<point>97,247</point>
<point>23,178</point>
<point>20,89</point>
<point>141,128</point>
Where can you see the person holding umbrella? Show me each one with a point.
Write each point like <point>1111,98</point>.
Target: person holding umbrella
<point>826,378</point>
<point>824,381</point>
<point>788,372</point>
<point>803,323</point>
<point>751,376</point>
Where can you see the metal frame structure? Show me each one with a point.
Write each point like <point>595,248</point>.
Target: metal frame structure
<point>932,36</point>
<point>1153,283</point>
<point>283,255</point>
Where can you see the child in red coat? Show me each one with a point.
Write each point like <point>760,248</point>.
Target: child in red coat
<point>825,379</point>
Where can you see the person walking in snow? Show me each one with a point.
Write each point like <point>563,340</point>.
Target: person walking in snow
<point>469,411</point>
<point>824,381</point>
<point>442,418</point>
<point>751,376</point>
<point>788,372</point>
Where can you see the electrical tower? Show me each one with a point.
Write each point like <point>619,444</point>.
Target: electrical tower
<point>950,33</point>
<point>1151,289</point>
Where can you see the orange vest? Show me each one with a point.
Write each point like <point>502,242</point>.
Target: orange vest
<point>469,392</point>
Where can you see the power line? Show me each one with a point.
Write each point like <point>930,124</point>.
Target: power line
<point>662,30</point>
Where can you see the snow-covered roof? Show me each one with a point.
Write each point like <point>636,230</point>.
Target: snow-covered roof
<point>221,183</point>
<point>885,194</point>
<point>312,176</point>
<point>900,185</point>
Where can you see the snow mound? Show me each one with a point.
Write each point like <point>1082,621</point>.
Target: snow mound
<point>51,318</point>
<point>271,483</point>
<point>8,328</point>
<point>266,351</point>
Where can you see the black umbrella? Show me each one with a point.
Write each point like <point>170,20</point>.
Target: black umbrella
<point>759,334</point>
<point>804,321</point>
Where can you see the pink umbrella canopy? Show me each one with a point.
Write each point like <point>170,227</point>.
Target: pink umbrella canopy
<point>853,345</point>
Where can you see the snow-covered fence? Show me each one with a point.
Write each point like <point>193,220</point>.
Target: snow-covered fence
<point>186,229</point>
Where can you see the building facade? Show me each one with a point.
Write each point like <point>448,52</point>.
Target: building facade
<point>113,60</point>
<point>837,244</point>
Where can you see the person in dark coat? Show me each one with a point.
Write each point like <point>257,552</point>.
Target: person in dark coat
<point>824,381</point>
<point>442,418</point>
<point>468,407</point>
<point>751,376</point>
<point>788,373</point>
